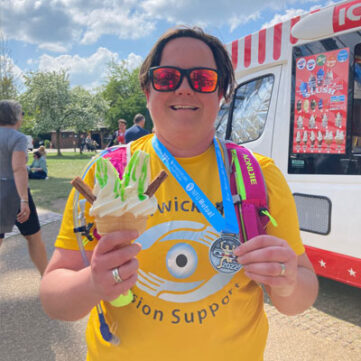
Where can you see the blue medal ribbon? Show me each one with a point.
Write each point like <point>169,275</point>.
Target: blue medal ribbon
<point>226,224</point>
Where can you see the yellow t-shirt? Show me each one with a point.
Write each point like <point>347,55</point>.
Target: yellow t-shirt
<point>183,309</point>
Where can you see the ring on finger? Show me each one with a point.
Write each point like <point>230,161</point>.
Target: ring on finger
<point>116,276</point>
<point>283,269</point>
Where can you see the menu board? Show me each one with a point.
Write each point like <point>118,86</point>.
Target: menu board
<point>321,102</point>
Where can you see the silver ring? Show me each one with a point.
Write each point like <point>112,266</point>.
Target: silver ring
<point>116,276</point>
<point>283,269</point>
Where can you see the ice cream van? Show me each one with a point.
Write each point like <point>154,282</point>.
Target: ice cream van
<point>298,101</point>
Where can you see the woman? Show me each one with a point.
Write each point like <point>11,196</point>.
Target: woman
<point>38,168</point>
<point>16,204</point>
<point>183,309</point>
<point>42,151</point>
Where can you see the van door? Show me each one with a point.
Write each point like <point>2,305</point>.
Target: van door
<point>252,111</point>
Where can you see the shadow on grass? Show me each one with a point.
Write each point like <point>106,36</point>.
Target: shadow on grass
<point>71,156</point>
<point>45,192</point>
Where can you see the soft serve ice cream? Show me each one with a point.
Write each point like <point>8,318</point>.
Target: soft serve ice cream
<point>120,204</point>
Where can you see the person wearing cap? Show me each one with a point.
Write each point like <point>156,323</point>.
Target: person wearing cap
<point>183,307</point>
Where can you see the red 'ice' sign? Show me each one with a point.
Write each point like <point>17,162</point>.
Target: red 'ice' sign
<point>347,16</point>
<point>321,102</point>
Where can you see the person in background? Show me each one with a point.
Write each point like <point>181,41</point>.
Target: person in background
<point>38,168</point>
<point>183,309</point>
<point>89,143</point>
<point>16,203</point>
<point>42,151</point>
<point>137,130</point>
<point>118,136</point>
<point>120,133</point>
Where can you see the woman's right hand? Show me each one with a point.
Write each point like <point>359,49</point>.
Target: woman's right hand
<point>24,213</point>
<point>114,250</point>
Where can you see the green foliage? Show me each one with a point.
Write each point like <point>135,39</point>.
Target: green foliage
<point>88,110</point>
<point>47,100</point>
<point>47,143</point>
<point>123,94</point>
<point>8,79</point>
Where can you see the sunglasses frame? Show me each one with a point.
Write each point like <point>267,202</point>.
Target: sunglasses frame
<point>183,72</point>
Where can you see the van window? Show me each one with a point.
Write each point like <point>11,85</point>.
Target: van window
<point>250,108</point>
<point>221,121</point>
<point>325,131</point>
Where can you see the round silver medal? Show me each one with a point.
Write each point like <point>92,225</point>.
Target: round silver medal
<point>221,254</point>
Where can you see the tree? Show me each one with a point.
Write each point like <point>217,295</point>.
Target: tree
<point>8,89</point>
<point>124,94</point>
<point>88,110</point>
<point>48,100</point>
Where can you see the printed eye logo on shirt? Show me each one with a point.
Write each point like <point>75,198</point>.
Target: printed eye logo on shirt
<point>179,276</point>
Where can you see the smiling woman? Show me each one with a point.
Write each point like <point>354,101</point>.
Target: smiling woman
<point>182,296</point>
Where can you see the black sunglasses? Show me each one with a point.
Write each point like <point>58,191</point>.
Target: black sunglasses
<point>169,78</point>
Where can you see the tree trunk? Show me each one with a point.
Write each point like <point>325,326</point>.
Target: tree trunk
<point>58,141</point>
<point>79,143</point>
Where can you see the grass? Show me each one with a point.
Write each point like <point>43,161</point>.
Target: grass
<point>52,192</point>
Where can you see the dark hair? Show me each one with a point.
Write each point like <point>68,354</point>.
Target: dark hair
<point>122,121</point>
<point>221,57</point>
<point>37,153</point>
<point>10,112</point>
<point>138,118</point>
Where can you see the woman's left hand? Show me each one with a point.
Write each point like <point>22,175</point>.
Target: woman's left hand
<point>271,261</point>
<point>24,213</point>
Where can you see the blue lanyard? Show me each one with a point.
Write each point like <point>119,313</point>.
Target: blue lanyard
<point>226,224</point>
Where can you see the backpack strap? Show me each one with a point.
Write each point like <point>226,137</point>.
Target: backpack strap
<point>249,191</point>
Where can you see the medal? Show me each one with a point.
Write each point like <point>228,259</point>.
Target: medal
<point>221,251</point>
<point>221,254</point>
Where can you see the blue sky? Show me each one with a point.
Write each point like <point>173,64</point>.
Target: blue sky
<point>82,36</point>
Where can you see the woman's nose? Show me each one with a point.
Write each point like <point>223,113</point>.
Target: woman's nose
<point>184,88</point>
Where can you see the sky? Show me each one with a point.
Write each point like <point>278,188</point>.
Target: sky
<point>83,36</point>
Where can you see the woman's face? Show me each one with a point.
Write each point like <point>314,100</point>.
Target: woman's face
<point>183,113</point>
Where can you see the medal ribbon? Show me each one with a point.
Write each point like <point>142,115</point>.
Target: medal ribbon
<point>226,224</point>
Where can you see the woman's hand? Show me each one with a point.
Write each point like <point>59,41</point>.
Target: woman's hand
<point>271,261</point>
<point>24,213</point>
<point>114,251</point>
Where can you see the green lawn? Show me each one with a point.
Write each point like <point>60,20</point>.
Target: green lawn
<point>51,192</point>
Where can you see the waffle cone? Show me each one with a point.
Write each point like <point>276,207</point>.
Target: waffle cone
<point>127,221</point>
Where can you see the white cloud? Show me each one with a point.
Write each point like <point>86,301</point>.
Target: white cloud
<point>278,18</point>
<point>290,13</point>
<point>58,24</point>
<point>212,12</point>
<point>89,72</point>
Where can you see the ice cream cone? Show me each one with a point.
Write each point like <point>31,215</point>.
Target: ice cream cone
<point>127,221</point>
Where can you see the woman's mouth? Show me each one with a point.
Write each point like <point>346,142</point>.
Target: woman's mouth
<point>183,107</point>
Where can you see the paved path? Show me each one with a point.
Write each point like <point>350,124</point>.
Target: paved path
<point>331,330</point>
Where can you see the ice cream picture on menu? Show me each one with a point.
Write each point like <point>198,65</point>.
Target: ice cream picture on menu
<point>320,106</point>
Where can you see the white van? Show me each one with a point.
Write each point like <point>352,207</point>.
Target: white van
<point>298,101</point>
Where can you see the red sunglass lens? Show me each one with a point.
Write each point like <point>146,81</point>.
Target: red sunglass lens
<point>204,80</point>
<point>166,78</point>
